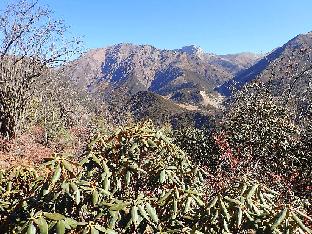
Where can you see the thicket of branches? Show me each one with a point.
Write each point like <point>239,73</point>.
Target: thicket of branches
<point>31,44</point>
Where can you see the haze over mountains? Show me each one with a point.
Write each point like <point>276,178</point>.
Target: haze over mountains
<point>185,79</point>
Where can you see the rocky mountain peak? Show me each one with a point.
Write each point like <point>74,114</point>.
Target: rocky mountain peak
<point>176,74</point>
<point>192,50</point>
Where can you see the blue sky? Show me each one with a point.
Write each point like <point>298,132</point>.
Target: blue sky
<point>218,26</point>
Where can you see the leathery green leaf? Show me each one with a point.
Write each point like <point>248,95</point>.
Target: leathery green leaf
<point>188,205</point>
<point>118,206</point>
<point>143,212</point>
<point>128,178</point>
<point>60,227</point>
<point>280,218</point>
<point>300,223</point>
<point>77,197</point>
<point>31,228</point>
<point>94,230</point>
<point>71,222</point>
<point>95,197</point>
<point>152,212</point>
<point>57,174</point>
<point>42,224</point>
<point>134,215</point>
<point>162,177</point>
<point>68,166</point>
<point>54,216</point>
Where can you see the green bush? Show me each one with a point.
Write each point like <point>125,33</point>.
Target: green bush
<point>259,128</point>
<point>267,141</point>
<point>136,181</point>
<point>199,144</point>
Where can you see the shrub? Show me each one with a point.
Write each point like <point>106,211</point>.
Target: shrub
<point>136,180</point>
<point>261,131</point>
<point>267,141</point>
<point>199,144</point>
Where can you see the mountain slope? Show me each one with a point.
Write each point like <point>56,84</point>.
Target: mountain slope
<point>148,105</point>
<point>166,72</point>
<point>278,69</point>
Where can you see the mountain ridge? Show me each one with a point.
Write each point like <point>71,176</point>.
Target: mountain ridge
<point>275,67</point>
<point>186,80</point>
<point>165,72</point>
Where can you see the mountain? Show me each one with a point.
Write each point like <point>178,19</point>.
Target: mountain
<point>148,105</point>
<point>187,75</point>
<point>278,69</point>
<point>159,82</point>
<point>175,86</point>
